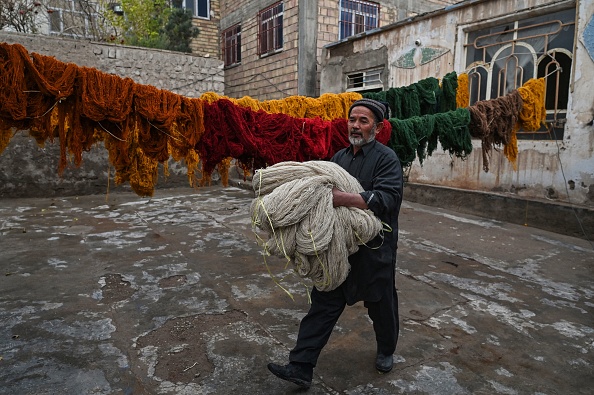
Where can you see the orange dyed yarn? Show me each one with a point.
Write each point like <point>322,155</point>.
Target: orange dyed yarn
<point>141,126</point>
<point>510,149</point>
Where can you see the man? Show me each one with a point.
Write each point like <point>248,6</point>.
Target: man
<point>372,275</point>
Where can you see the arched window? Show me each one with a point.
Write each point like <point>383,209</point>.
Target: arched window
<point>502,57</point>
<point>478,75</point>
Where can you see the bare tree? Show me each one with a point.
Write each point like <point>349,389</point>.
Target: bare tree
<point>147,23</point>
<point>19,16</point>
<point>89,19</point>
<point>81,18</point>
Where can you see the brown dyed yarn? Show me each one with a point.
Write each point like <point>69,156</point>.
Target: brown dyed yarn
<point>493,121</point>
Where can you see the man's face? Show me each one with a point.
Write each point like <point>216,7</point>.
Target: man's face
<point>362,126</point>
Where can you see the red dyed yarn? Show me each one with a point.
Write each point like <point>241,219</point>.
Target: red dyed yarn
<point>263,139</point>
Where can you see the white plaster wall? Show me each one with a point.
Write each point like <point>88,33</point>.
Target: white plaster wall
<point>560,170</point>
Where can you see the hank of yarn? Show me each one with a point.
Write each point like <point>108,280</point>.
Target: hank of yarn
<point>293,205</point>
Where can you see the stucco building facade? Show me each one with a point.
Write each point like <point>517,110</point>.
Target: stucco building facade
<point>502,44</point>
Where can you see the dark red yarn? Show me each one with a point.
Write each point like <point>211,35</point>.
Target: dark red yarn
<point>263,139</point>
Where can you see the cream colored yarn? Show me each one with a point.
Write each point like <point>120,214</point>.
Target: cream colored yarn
<point>293,205</point>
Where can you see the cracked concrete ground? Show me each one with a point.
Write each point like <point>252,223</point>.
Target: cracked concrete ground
<point>171,295</point>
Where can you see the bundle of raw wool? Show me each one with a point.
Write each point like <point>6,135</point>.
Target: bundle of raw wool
<point>293,204</point>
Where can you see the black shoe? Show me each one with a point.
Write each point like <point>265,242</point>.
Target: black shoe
<point>300,374</point>
<point>384,363</point>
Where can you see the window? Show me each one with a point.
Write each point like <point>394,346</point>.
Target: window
<point>232,46</point>
<point>502,58</point>
<point>199,8</point>
<point>72,18</point>
<point>270,34</point>
<point>367,81</point>
<point>357,16</point>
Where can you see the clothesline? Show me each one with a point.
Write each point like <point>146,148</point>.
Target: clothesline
<point>142,126</point>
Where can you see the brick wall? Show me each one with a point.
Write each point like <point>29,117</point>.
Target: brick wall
<point>269,77</point>
<point>207,42</point>
<point>275,76</point>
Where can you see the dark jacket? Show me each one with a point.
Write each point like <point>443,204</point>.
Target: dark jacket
<point>378,170</point>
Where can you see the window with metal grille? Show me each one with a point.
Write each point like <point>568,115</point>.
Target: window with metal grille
<point>231,39</point>
<point>270,33</point>
<point>367,81</point>
<point>199,8</point>
<point>357,16</point>
<point>503,57</point>
<point>73,18</point>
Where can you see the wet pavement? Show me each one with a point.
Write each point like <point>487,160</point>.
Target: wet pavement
<point>117,294</point>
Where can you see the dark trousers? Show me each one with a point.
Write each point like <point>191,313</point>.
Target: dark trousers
<point>326,307</point>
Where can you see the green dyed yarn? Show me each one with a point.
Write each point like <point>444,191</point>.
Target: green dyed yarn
<point>403,140</point>
<point>420,98</point>
<point>429,94</point>
<point>410,101</point>
<point>418,137</point>
<point>424,130</point>
<point>424,115</point>
<point>454,135</point>
<point>449,88</point>
<point>379,96</point>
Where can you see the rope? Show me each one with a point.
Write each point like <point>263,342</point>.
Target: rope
<point>293,205</point>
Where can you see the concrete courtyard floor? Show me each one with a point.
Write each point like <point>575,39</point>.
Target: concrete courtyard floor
<point>117,294</point>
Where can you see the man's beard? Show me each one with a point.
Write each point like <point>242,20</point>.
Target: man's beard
<point>361,141</point>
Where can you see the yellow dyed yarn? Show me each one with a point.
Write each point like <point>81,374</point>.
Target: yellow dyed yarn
<point>328,106</point>
<point>462,93</point>
<point>192,160</point>
<point>533,111</point>
<point>223,168</point>
<point>211,97</point>
<point>510,149</point>
<point>143,173</point>
<point>337,106</point>
<point>248,102</point>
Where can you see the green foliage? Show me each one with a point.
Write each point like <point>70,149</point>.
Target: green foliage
<point>179,30</point>
<point>153,24</point>
<point>141,22</point>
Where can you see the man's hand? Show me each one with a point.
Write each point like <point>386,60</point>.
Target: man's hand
<point>340,198</point>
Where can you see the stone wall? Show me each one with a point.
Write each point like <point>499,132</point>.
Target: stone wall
<point>27,170</point>
<point>185,74</point>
